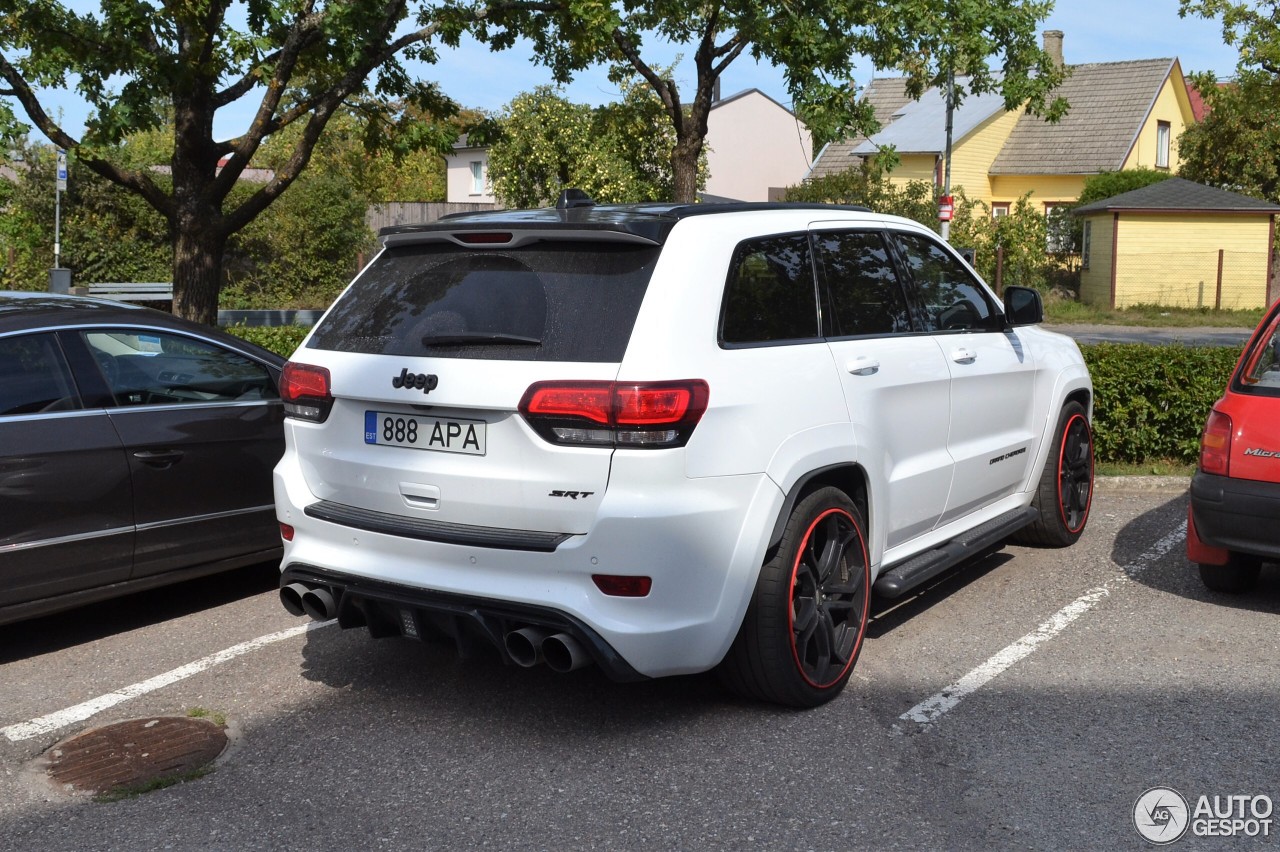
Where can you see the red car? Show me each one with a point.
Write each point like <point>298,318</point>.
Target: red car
<point>1234,521</point>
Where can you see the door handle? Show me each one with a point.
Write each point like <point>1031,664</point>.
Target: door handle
<point>159,458</point>
<point>863,366</point>
<point>964,356</point>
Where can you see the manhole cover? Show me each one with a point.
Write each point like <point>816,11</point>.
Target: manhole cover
<point>135,753</point>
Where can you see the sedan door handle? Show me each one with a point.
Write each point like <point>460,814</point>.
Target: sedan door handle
<point>159,458</point>
<point>863,366</point>
<point>964,356</point>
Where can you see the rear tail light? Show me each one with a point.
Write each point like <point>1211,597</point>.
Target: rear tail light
<point>305,391</point>
<point>640,415</point>
<point>1215,445</point>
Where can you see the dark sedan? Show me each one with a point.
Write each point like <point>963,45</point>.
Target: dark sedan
<point>135,450</point>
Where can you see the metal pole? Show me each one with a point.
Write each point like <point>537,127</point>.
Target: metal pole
<point>946,168</point>
<point>59,186</point>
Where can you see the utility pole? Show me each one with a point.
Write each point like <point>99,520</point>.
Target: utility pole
<point>945,204</point>
<point>59,278</point>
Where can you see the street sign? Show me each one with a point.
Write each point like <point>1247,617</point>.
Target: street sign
<point>62,170</point>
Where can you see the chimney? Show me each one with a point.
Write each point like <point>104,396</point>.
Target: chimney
<point>1053,46</point>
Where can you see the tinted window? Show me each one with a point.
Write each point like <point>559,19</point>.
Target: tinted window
<point>865,295</point>
<point>34,376</point>
<point>550,301</point>
<point>953,299</point>
<point>770,294</point>
<point>154,368</point>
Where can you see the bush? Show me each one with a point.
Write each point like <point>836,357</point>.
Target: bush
<point>1151,401</point>
<point>281,339</point>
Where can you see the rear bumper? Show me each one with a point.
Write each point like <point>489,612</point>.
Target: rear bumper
<point>1238,515</point>
<point>387,609</point>
<point>702,541</point>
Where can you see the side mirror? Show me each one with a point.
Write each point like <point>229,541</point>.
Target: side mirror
<point>1023,306</point>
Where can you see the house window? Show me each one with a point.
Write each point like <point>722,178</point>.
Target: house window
<point>1086,238</point>
<point>1057,222</point>
<point>477,177</point>
<point>999,208</point>
<point>1162,145</point>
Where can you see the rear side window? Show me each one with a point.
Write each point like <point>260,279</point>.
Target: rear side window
<point>866,297</point>
<point>34,376</point>
<point>548,301</point>
<point>770,296</point>
<point>953,299</point>
<point>151,367</point>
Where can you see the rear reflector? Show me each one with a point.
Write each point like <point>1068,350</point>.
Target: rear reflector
<point>619,586</point>
<point>286,532</point>
<point>650,415</point>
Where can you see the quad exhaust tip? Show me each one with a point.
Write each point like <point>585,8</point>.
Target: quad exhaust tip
<point>300,599</point>
<point>562,653</point>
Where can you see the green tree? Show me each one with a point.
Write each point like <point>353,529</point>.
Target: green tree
<point>813,41</point>
<point>139,65</point>
<point>107,234</point>
<point>616,153</point>
<point>1237,145</point>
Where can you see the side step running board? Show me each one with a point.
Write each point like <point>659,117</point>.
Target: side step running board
<point>905,576</point>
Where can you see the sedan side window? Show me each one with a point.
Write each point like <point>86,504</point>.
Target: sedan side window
<point>34,376</point>
<point>866,297</point>
<point>953,299</point>
<point>156,368</point>
<point>770,295</point>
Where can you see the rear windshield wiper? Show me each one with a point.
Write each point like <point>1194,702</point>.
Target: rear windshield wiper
<point>478,337</point>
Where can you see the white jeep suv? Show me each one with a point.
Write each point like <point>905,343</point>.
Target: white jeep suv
<point>661,439</point>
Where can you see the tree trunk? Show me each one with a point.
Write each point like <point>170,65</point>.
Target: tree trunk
<point>197,273</point>
<point>684,170</point>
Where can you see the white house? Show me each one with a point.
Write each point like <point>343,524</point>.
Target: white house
<point>755,144</point>
<point>467,173</point>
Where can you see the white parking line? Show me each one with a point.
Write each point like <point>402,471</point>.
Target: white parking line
<point>80,712</point>
<point>936,706</point>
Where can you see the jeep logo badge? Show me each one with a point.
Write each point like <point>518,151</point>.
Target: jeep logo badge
<point>425,382</point>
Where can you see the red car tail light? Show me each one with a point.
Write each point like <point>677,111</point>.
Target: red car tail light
<point>306,392</point>
<point>642,415</point>
<point>1215,444</point>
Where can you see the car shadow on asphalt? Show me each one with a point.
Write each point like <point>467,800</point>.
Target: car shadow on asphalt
<point>91,622</point>
<point>887,615</point>
<point>1173,573</point>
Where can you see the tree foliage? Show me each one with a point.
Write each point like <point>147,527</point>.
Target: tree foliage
<point>813,41</point>
<point>1237,145</point>
<point>620,152</point>
<point>141,64</point>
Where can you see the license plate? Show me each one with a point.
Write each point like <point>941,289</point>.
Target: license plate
<point>443,434</point>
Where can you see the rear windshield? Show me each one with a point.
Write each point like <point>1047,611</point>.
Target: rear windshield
<point>1260,367</point>
<point>549,301</point>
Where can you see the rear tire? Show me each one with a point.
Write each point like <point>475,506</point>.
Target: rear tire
<point>804,626</point>
<point>1065,491</point>
<point>1238,576</point>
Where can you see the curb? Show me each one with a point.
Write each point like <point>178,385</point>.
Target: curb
<point>1144,484</point>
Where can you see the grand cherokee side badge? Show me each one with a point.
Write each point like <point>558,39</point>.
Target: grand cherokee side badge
<point>425,382</point>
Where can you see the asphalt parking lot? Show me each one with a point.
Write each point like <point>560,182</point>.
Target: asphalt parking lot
<point>1025,702</point>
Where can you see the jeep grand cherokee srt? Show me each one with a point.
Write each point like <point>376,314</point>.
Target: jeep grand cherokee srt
<point>662,439</point>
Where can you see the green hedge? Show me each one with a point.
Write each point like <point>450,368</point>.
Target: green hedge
<point>282,339</point>
<point>1151,401</point>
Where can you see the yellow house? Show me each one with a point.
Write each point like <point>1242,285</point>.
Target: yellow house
<point>1179,244</point>
<point>1122,115</point>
